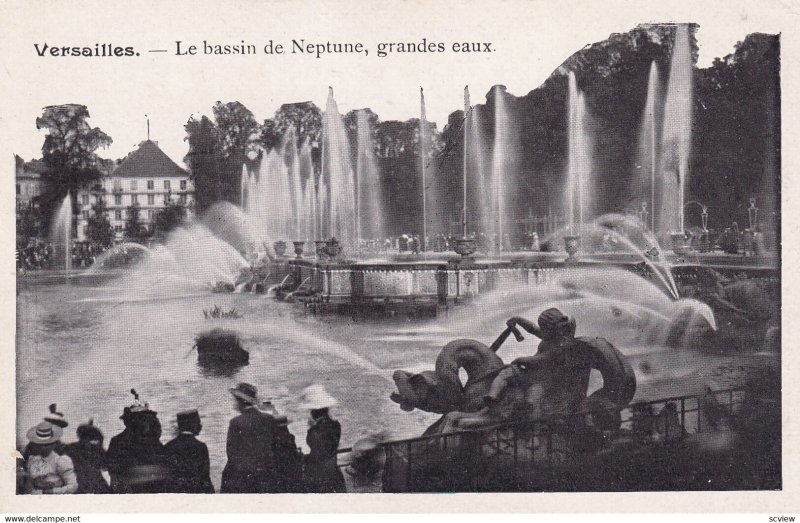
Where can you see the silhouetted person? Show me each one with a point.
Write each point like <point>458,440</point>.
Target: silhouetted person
<point>322,474</point>
<point>251,463</point>
<point>288,458</point>
<point>89,459</point>
<point>135,457</point>
<point>188,457</point>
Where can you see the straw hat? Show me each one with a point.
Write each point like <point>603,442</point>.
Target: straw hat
<point>315,397</point>
<point>44,433</point>
<point>246,392</point>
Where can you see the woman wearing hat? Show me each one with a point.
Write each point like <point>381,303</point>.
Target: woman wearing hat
<point>47,471</point>
<point>89,459</point>
<point>321,473</point>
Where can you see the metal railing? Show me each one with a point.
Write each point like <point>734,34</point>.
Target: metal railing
<point>526,451</point>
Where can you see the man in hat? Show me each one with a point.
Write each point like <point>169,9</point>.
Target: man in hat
<point>135,457</point>
<point>89,459</point>
<point>188,457</point>
<point>251,463</point>
<point>322,472</point>
<point>47,472</point>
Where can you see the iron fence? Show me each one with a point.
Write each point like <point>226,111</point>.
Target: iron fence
<point>540,454</point>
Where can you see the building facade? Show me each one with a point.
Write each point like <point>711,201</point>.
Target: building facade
<point>146,178</point>
<point>28,181</point>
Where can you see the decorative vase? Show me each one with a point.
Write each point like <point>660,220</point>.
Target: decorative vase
<point>280,248</point>
<point>464,246</point>
<point>298,248</point>
<point>333,248</point>
<point>319,248</point>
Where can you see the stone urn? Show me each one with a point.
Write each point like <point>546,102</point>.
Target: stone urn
<point>572,244</point>
<point>298,248</point>
<point>280,248</point>
<point>464,246</point>
<point>333,248</point>
<point>679,244</point>
<point>319,248</point>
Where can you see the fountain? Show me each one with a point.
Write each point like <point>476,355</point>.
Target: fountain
<point>676,139</point>
<point>648,149</point>
<point>369,197</point>
<point>500,167</point>
<point>480,176</point>
<point>61,232</point>
<point>339,218</point>
<point>579,158</point>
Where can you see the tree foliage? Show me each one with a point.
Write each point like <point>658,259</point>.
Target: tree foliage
<point>168,218</point>
<point>30,224</point>
<point>135,230</point>
<point>69,152</point>
<point>98,227</point>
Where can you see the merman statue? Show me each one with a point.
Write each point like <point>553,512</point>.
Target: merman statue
<point>552,382</point>
<point>561,367</point>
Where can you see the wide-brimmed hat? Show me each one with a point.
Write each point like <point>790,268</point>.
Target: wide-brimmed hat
<point>246,392</point>
<point>44,433</point>
<point>315,397</point>
<point>56,418</point>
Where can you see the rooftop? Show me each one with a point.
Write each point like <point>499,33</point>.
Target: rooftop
<point>148,161</point>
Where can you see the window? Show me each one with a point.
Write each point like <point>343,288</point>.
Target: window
<point>134,199</point>
<point>85,199</point>
<point>18,189</point>
<point>183,185</point>
<point>166,199</point>
<point>150,185</point>
<point>151,199</point>
<point>85,215</point>
<point>150,214</point>
<point>133,185</point>
<point>117,185</point>
<point>182,199</point>
<point>166,185</point>
<point>118,228</point>
<point>117,199</point>
<point>117,214</point>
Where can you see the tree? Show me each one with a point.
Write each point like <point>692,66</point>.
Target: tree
<point>217,151</point>
<point>135,231</point>
<point>98,227</point>
<point>69,152</point>
<point>168,218</point>
<point>204,161</point>
<point>237,130</point>
<point>29,224</point>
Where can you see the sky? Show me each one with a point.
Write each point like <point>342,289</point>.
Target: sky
<point>530,40</point>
